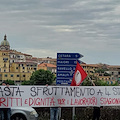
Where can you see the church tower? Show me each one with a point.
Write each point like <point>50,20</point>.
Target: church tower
<point>5,44</point>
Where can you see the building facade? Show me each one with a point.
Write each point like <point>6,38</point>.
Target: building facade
<point>48,66</point>
<point>18,66</point>
<point>108,73</point>
<point>14,65</point>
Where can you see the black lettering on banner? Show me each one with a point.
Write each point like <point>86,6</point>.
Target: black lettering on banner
<point>1,91</point>
<point>45,89</point>
<point>92,91</point>
<point>13,90</point>
<point>50,91</point>
<point>56,89</point>
<point>88,90</point>
<point>77,92</point>
<point>82,92</point>
<point>62,90</point>
<point>33,90</point>
<point>67,91</point>
<point>38,89</point>
<point>18,91</point>
<point>99,92</point>
<point>107,92</point>
<point>116,91</point>
<point>7,91</point>
<point>10,91</point>
<point>72,91</point>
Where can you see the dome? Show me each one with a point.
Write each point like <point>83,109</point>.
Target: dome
<point>5,42</point>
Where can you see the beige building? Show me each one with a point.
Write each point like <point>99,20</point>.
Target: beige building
<point>14,65</point>
<point>111,73</point>
<point>18,66</point>
<point>4,61</point>
<point>47,60</point>
<point>47,66</point>
<point>90,68</point>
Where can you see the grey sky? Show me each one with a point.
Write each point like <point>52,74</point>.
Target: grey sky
<point>43,28</point>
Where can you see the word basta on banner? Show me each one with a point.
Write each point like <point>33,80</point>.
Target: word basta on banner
<point>64,96</point>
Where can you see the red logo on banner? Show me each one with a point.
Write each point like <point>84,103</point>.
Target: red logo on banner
<point>78,76</point>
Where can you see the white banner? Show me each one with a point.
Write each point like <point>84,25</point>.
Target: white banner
<point>64,96</point>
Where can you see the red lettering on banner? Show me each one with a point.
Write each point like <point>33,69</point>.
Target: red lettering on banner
<point>25,101</point>
<point>16,100</point>
<point>49,101</point>
<point>61,101</point>
<point>84,101</point>
<point>2,102</point>
<point>10,102</point>
<point>108,101</point>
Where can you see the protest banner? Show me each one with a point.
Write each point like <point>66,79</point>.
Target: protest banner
<point>64,96</point>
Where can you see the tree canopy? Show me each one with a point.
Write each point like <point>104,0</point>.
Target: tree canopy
<point>10,82</point>
<point>97,82</point>
<point>42,77</point>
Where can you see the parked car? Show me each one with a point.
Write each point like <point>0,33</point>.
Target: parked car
<point>23,113</point>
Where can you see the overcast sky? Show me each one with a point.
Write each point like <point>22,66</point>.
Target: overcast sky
<point>44,28</point>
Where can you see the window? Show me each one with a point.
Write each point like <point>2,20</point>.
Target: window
<point>18,56</point>
<point>91,71</point>
<point>17,75</point>
<point>100,74</point>
<point>5,75</point>
<point>5,59</point>
<point>4,65</point>
<point>3,53</point>
<point>23,67</point>
<point>16,67</point>
<point>11,75</point>
<point>23,75</point>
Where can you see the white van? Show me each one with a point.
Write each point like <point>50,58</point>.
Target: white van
<point>23,113</point>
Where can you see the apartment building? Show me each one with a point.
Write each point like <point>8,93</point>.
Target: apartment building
<point>47,66</point>
<point>110,73</point>
<point>14,65</point>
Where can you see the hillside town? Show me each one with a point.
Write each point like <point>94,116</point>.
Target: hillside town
<point>18,66</point>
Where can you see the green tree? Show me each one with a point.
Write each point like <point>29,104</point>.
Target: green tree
<point>42,77</point>
<point>97,82</point>
<point>10,82</point>
<point>28,82</point>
